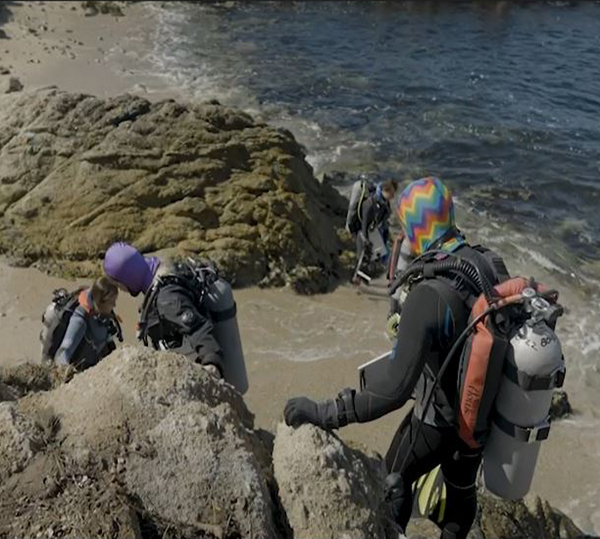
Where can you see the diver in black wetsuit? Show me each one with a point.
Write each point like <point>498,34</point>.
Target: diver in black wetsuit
<point>175,321</point>
<point>372,213</point>
<point>432,317</point>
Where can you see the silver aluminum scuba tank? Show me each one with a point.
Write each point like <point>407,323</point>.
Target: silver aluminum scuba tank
<point>405,257</point>
<point>355,194</point>
<point>50,321</point>
<point>533,367</point>
<point>221,305</point>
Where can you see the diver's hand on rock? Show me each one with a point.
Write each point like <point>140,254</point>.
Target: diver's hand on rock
<point>301,410</point>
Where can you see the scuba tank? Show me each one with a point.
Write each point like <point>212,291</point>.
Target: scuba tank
<point>55,320</point>
<point>533,367</point>
<point>360,190</point>
<point>399,262</point>
<point>355,195</point>
<point>223,312</point>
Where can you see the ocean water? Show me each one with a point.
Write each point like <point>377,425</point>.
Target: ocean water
<point>500,100</point>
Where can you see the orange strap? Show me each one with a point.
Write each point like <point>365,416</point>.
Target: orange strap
<point>84,301</point>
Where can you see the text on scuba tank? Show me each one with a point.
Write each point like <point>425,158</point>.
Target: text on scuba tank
<point>528,342</point>
<point>473,396</point>
<point>550,338</point>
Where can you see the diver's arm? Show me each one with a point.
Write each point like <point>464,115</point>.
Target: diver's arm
<point>417,329</point>
<point>72,339</point>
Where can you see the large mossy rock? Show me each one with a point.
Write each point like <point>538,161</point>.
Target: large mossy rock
<point>78,173</point>
<point>525,519</point>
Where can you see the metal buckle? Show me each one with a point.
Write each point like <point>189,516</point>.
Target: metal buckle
<point>538,433</point>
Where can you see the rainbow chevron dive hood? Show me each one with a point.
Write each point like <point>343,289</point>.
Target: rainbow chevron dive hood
<point>426,212</point>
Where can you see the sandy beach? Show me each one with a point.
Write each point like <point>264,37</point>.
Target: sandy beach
<point>294,345</point>
<point>55,44</point>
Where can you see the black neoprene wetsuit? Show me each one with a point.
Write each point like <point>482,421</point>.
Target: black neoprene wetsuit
<point>434,446</point>
<point>176,320</point>
<point>374,212</point>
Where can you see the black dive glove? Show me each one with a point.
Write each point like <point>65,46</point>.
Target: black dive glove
<point>329,414</point>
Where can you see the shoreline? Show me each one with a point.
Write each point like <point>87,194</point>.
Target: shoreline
<point>100,56</point>
<point>263,316</point>
<point>267,319</point>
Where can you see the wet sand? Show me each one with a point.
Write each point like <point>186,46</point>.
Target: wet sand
<point>277,326</point>
<point>294,345</point>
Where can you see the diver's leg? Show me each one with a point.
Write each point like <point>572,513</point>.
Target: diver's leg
<point>407,460</point>
<point>460,468</point>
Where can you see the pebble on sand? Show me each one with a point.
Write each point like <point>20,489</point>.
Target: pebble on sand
<point>13,84</point>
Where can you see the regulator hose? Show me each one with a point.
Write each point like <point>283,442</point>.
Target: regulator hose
<point>452,264</point>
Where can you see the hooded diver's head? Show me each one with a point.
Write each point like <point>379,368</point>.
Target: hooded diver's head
<point>124,264</point>
<point>426,213</point>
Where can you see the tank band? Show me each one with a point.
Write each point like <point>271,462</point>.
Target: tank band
<point>523,434</point>
<point>221,316</point>
<point>534,383</point>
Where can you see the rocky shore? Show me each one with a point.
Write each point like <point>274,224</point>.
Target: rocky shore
<point>147,444</point>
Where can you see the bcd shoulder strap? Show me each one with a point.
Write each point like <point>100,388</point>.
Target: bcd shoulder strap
<point>496,261</point>
<point>190,278</point>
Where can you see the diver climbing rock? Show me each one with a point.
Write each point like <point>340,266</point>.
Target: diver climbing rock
<point>454,287</point>
<point>188,308</point>
<point>79,326</point>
